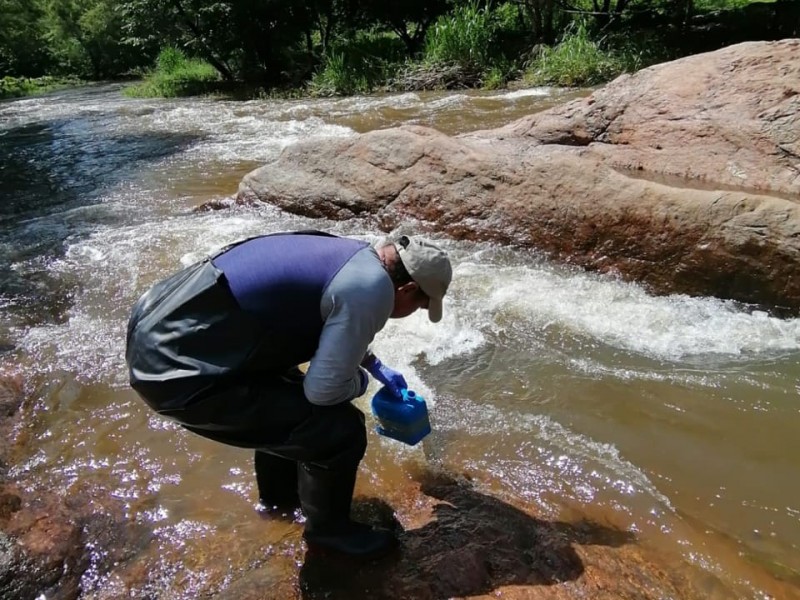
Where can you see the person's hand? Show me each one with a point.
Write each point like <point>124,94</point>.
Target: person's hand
<point>392,379</point>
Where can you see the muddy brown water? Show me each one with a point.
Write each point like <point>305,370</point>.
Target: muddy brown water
<point>672,418</point>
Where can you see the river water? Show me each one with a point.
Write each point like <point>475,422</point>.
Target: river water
<point>674,418</point>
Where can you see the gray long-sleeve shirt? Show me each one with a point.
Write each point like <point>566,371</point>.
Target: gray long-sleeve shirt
<point>354,307</point>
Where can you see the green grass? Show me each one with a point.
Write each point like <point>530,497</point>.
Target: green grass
<point>338,76</point>
<point>463,37</point>
<point>176,75</point>
<point>577,60</point>
<point>495,78</point>
<point>16,87</point>
<point>357,66</point>
<point>485,43</point>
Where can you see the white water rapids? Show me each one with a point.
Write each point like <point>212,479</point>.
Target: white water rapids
<point>674,417</point>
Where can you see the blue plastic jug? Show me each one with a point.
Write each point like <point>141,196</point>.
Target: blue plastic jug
<point>404,419</point>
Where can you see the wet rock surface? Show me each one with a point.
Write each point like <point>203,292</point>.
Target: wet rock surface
<point>54,544</point>
<point>684,177</point>
<point>456,542</point>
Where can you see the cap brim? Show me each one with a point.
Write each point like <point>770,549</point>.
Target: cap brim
<point>435,310</point>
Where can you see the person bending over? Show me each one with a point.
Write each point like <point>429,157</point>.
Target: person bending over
<point>216,347</point>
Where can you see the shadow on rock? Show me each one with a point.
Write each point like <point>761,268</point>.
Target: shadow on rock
<point>473,545</point>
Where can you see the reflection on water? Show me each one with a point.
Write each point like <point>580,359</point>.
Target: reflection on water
<point>673,418</point>
<point>54,175</point>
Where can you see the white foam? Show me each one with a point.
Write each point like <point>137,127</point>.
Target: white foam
<point>446,102</point>
<point>623,315</point>
<point>527,93</point>
<point>360,104</point>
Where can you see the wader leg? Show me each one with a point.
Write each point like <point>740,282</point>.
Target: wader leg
<point>330,446</point>
<point>328,443</point>
<point>277,482</point>
<point>326,496</point>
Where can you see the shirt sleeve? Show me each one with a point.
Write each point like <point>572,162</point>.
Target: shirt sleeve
<point>355,306</point>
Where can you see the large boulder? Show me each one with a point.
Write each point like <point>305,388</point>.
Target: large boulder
<point>726,119</point>
<point>684,176</point>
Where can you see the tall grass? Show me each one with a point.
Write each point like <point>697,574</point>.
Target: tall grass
<point>577,60</point>
<point>16,87</point>
<point>337,76</point>
<point>176,75</point>
<point>357,66</point>
<point>463,37</point>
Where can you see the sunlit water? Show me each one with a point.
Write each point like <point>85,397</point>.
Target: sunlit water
<point>672,417</point>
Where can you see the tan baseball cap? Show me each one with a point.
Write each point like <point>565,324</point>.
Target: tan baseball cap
<point>430,267</point>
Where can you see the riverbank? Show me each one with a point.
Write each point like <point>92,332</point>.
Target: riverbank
<point>576,61</point>
<point>260,51</point>
<point>473,48</point>
<point>17,87</point>
<point>682,177</point>
<point>597,441</point>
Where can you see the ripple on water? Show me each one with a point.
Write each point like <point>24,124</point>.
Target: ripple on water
<point>557,386</point>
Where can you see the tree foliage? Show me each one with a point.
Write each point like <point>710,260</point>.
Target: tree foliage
<point>65,37</point>
<point>22,38</point>
<point>409,19</point>
<point>287,42</point>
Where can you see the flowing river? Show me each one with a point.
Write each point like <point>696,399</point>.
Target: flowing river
<point>674,418</point>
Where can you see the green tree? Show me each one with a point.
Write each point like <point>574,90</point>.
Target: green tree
<point>100,34</point>
<point>22,43</point>
<point>410,19</point>
<point>273,38</point>
<point>263,41</point>
<point>85,37</point>
<point>541,15</point>
<point>186,24</point>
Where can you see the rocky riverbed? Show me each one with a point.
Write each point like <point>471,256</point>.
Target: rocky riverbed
<point>455,542</point>
<point>684,176</point>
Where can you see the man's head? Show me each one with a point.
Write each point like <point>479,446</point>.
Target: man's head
<point>421,274</point>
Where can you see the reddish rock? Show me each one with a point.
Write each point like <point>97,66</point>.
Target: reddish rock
<point>474,545</point>
<point>729,118</point>
<point>49,539</point>
<point>11,397</point>
<point>589,182</point>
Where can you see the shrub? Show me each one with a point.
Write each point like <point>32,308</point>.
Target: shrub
<point>495,78</point>
<point>358,66</point>
<point>337,77</point>
<point>176,75</point>
<point>463,37</point>
<point>171,60</point>
<point>15,87</point>
<point>578,60</point>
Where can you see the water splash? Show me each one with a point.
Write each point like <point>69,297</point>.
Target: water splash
<point>622,315</point>
<point>121,234</point>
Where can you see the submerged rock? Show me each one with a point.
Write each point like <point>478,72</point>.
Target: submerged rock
<point>457,542</point>
<point>684,177</point>
<point>54,544</point>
